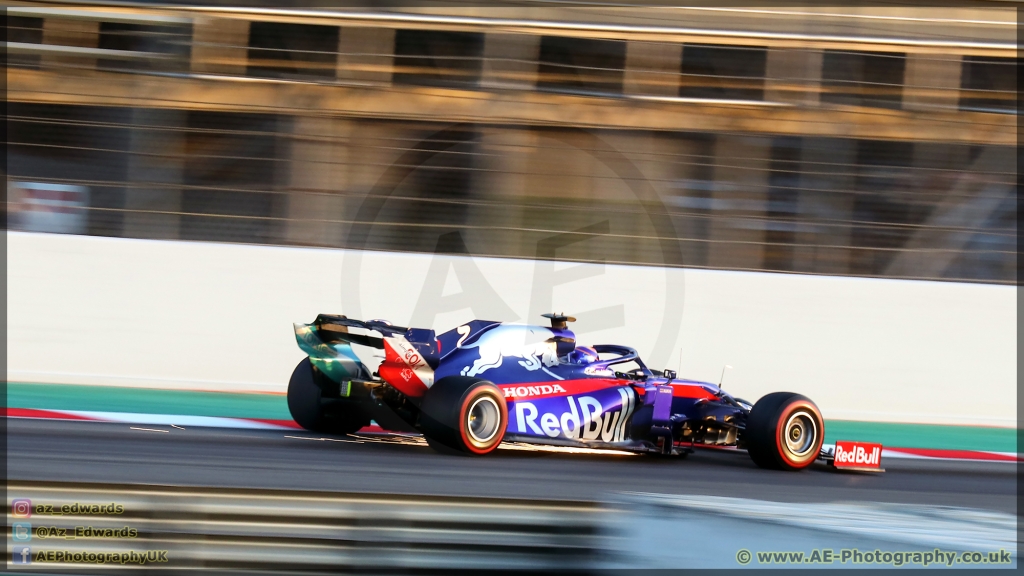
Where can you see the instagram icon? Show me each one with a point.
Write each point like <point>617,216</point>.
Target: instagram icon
<point>21,508</point>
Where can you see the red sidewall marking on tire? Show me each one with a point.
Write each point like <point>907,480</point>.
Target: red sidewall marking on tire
<point>779,431</point>
<point>464,433</point>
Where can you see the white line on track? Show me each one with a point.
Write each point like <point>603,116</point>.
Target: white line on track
<point>149,429</point>
<point>324,439</point>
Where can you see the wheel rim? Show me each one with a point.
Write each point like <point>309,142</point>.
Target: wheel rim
<point>800,434</point>
<point>483,420</point>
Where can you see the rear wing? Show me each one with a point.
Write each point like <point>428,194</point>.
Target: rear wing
<point>334,329</point>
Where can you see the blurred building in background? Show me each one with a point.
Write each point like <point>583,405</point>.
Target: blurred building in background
<point>862,141</point>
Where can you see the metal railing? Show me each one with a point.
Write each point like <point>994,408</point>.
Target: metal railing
<point>932,212</point>
<point>332,63</point>
<point>71,527</point>
<point>738,196</point>
<point>294,531</point>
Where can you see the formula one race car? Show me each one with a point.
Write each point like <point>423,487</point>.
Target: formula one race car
<point>484,382</point>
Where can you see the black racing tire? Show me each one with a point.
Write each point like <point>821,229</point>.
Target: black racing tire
<point>443,448</point>
<point>313,412</point>
<point>784,432</point>
<point>467,415</point>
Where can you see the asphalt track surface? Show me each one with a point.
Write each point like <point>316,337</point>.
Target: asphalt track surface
<point>108,452</point>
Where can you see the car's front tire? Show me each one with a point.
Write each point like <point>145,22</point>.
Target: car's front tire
<point>313,412</point>
<point>464,414</point>
<point>784,432</point>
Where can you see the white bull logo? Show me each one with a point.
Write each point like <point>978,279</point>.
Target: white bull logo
<point>531,343</point>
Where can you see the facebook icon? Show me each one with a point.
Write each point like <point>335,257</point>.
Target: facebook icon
<point>21,555</point>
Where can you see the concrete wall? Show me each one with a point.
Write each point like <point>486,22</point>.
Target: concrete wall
<point>192,315</point>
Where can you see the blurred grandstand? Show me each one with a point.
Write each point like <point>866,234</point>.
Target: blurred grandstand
<point>861,140</point>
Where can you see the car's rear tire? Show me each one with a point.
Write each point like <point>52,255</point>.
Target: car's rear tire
<point>784,432</point>
<point>313,412</point>
<point>464,414</point>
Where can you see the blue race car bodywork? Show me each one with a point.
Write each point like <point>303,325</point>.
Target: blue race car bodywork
<point>486,382</point>
<point>553,396</point>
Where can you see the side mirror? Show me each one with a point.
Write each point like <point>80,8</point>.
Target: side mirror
<point>670,374</point>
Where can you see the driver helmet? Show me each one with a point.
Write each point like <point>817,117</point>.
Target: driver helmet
<point>583,355</point>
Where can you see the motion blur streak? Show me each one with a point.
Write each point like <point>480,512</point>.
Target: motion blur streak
<point>296,530</point>
<point>268,500</point>
<point>862,141</point>
<point>291,531</point>
<point>265,459</point>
